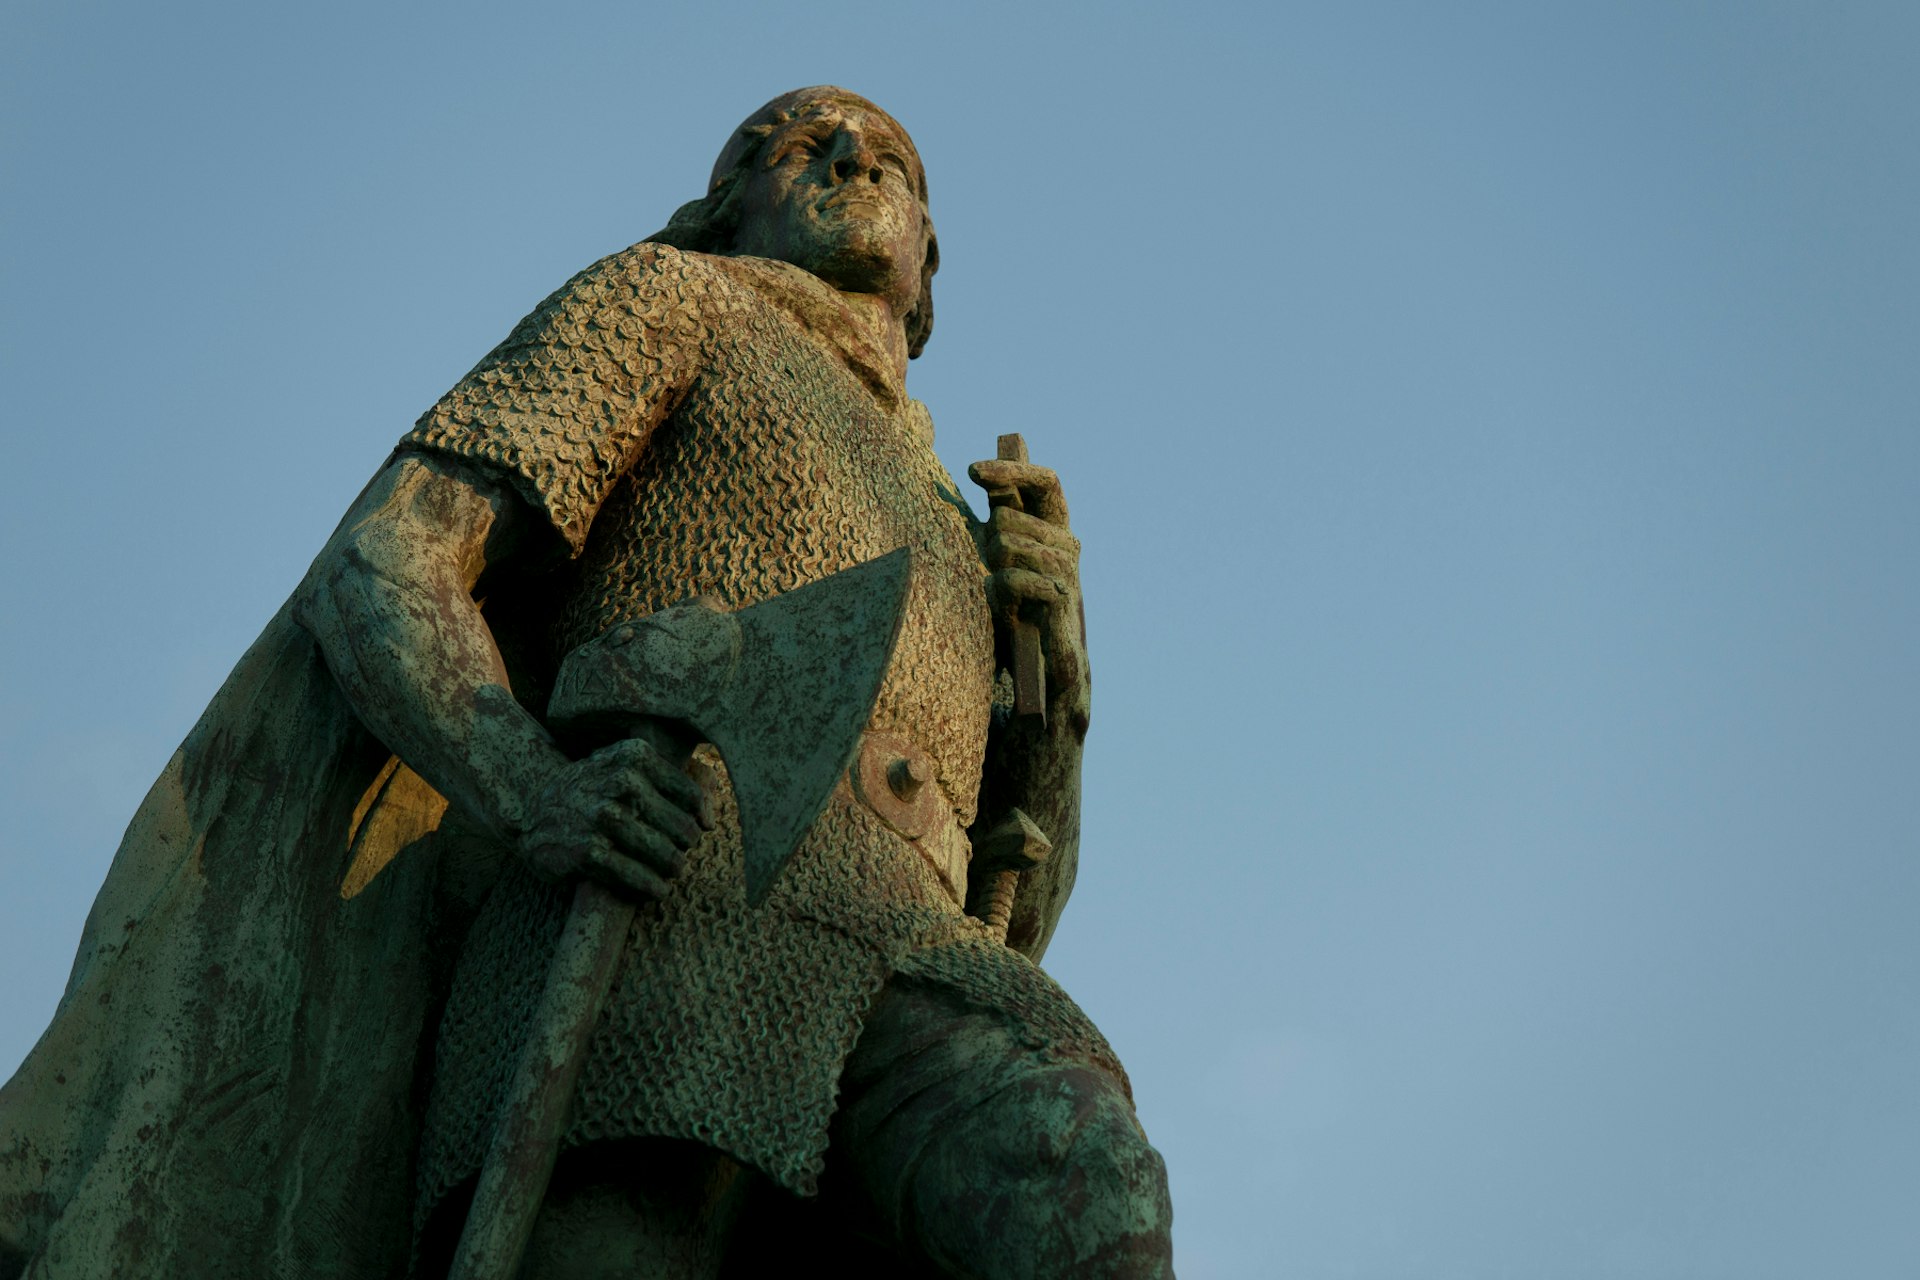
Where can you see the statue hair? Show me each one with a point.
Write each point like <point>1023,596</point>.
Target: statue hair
<point>709,224</point>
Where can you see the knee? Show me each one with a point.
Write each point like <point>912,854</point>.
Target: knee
<point>1053,1176</point>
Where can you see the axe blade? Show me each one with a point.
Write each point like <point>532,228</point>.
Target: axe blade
<point>788,724</point>
<point>782,688</point>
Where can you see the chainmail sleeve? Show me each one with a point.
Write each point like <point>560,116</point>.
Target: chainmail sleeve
<point>562,408</point>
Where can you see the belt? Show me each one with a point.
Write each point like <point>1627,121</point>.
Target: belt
<point>900,783</point>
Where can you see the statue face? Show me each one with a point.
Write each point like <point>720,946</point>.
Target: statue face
<point>835,192</point>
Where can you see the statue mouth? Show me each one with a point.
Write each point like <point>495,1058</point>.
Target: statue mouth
<point>852,200</point>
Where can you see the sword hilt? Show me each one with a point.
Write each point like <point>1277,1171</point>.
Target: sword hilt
<point>1029,667</point>
<point>1015,844</point>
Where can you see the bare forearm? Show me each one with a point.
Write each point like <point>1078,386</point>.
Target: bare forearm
<point>391,608</point>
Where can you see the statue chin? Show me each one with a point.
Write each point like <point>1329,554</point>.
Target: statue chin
<point>862,268</point>
<point>853,255</point>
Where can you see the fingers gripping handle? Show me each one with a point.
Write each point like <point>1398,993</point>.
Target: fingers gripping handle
<point>1029,668</point>
<point>539,1104</point>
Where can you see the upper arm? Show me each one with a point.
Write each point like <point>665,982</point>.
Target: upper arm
<point>562,408</point>
<point>425,518</point>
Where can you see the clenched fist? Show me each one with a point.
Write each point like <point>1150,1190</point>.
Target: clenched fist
<point>625,817</point>
<point>1034,561</point>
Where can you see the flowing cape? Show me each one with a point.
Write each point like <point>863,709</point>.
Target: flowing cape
<point>228,1087</point>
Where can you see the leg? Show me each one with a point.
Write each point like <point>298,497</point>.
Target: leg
<point>989,1158</point>
<point>641,1209</point>
<point>635,1210</point>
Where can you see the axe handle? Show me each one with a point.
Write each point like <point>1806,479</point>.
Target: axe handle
<point>539,1104</point>
<point>1029,670</point>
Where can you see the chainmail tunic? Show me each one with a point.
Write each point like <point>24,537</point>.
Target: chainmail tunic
<point>688,426</point>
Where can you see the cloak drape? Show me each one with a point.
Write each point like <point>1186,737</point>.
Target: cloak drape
<point>228,1087</point>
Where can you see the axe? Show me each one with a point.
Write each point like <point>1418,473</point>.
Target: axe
<point>782,689</point>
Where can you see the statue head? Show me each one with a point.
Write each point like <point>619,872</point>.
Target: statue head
<point>827,181</point>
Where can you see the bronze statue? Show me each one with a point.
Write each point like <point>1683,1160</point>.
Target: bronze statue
<point>303,991</point>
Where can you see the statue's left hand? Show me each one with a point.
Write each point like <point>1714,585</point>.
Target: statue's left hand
<point>1035,564</point>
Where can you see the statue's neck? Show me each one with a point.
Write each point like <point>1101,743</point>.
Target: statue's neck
<point>862,328</point>
<point>885,329</point>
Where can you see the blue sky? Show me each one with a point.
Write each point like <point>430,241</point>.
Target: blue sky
<point>1492,429</point>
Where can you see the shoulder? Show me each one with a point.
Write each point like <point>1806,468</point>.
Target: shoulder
<point>561,407</point>
<point>647,263</point>
<point>645,280</point>
<point>632,310</point>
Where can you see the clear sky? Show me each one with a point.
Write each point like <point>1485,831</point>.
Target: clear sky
<point>1492,429</point>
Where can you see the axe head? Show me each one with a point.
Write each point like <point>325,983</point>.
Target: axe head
<point>782,689</point>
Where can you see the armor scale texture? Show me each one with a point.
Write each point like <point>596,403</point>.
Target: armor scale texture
<point>688,428</point>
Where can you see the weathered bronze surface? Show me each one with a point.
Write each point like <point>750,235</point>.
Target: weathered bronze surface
<point>781,690</point>
<point>293,1024</point>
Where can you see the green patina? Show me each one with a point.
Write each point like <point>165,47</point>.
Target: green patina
<point>318,960</point>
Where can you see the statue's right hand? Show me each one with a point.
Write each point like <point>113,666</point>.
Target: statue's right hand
<point>624,816</point>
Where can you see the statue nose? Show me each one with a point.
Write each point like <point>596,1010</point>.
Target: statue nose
<point>856,163</point>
